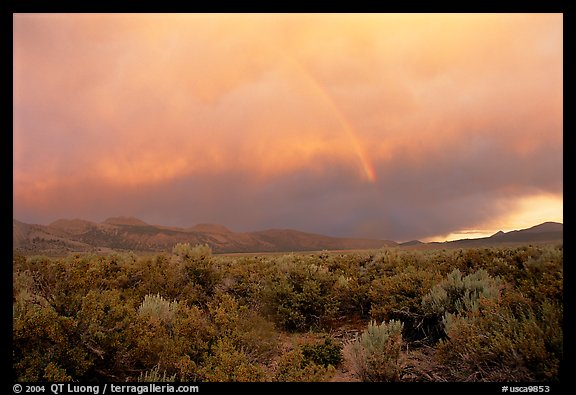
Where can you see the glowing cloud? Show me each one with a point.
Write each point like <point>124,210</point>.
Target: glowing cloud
<point>319,91</point>
<point>397,126</point>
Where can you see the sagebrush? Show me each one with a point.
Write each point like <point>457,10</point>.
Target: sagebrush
<point>481,314</point>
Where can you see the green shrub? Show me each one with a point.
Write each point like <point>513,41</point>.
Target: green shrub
<point>246,328</point>
<point>103,322</point>
<point>351,297</point>
<point>505,340</point>
<point>193,316</point>
<point>399,297</point>
<point>45,344</point>
<point>156,342</point>
<point>327,353</point>
<point>154,376</point>
<point>375,355</point>
<point>161,274</point>
<point>54,373</point>
<point>456,294</point>
<point>199,269</point>
<point>245,278</point>
<point>300,295</point>
<point>155,307</point>
<point>292,367</point>
<point>227,363</point>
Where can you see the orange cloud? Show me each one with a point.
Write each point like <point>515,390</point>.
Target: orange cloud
<point>142,101</point>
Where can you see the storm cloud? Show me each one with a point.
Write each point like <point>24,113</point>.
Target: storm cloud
<point>391,126</point>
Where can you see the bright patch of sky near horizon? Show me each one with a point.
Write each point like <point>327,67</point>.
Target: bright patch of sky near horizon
<point>392,126</point>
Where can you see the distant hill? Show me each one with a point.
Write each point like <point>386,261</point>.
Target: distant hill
<point>412,243</point>
<point>71,226</point>
<point>125,221</point>
<point>545,232</point>
<point>210,228</point>
<point>293,240</point>
<point>546,227</point>
<point>45,239</point>
<point>127,233</point>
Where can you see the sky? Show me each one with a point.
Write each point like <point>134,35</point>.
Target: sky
<point>386,126</point>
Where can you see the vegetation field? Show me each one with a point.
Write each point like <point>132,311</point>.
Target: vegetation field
<point>482,314</point>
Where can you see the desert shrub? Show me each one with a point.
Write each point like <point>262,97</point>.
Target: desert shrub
<point>227,363</point>
<point>456,294</point>
<point>535,271</point>
<point>293,367</point>
<point>299,295</point>
<point>225,314</point>
<point>325,354</point>
<point>153,376</point>
<point>187,369</point>
<point>53,372</point>
<point>59,282</point>
<point>130,277</point>
<point>193,316</point>
<point>42,346</point>
<point>351,297</point>
<point>155,307</point>
<point>157,275</point>
<point>102,323</point>
<point>167,339</point>
<point>399,297</point>
<point>344,264</point>
<point>245,278</point>
<point>386,261</point>
<point>375,355</point>
<point>197,253</point>
<point>18,261</point>
<point>505,340</point>
<point>192,331</point>
<point>245,328</point>
<point>470,259</point>
<point>91,317</point>
<point>542,277</point>
<point>198,268</point>
<point>25,289</point>
<point>258,336</point>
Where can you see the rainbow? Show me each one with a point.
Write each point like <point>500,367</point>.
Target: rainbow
<point>328,100</point>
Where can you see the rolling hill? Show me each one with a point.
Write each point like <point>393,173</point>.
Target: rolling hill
<point>127,233</point>
<point>545,232</point>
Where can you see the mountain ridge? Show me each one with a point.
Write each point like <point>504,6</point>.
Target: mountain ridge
<point>131,221</point>
<point>129,233</point>
<point>544,232</point>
